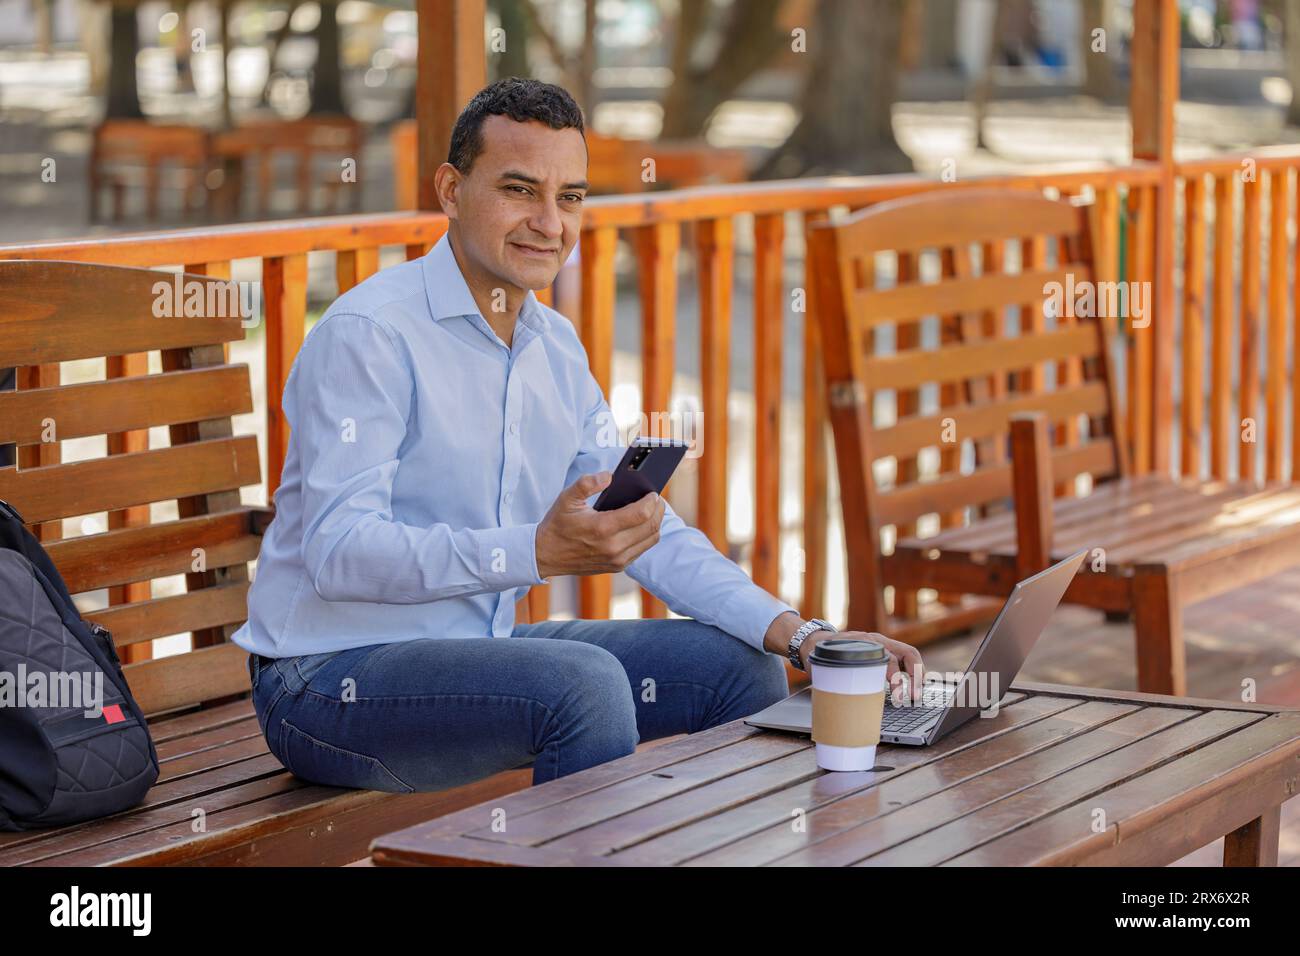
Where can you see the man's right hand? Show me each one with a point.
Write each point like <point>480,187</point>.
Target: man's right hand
<point>574,538</point>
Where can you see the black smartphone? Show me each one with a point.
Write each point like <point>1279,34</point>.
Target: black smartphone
<point>647,465</point>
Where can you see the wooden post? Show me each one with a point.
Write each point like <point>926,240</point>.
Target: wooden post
<point>451,66</point>
<point>1152,96</point>
<point>1031,480</point>
<point>715,249</point>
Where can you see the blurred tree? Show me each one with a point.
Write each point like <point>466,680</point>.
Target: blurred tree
<point>181,45</point>
<point>1098,67</point>
<point>1291,29</point>
<point>513,60</point>
<point>982,91</point>
<point>277,40</point>
<point>44,21</point>
<point>327,76</point>
<point>750,38</point>
<point>846,121</point>
<point>124,46</point>
<point>939,34</point>
<point>576,67</point>
<point>93,19</point>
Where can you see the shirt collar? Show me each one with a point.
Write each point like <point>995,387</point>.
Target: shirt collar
<point>449,294</point>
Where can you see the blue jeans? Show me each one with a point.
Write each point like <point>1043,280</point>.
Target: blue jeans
<point>560,696</point>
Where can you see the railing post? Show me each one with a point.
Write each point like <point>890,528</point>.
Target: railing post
<point>816,461</point>
<point>1295,351</point>
<point>354,266</point>
<point>769,315</point>
<point>1152,97</point>
<point>1248,372</point>
<point>1143,382</point>
<point>1221,328</point>
<point>714,250</point>
<point>284,286</point>
<point>1275,448</point>
<point>656,250</point>
<point>1193,325</point>
<point>597,331</point>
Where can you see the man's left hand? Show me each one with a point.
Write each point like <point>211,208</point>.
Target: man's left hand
<point>904,659</point>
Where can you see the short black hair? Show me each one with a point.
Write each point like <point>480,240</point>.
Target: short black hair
<point>521,99</point>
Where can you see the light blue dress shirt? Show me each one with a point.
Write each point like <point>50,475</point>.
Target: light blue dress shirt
<point>422,455</point>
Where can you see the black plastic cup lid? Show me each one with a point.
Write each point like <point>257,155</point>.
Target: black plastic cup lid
<point>847,652</point>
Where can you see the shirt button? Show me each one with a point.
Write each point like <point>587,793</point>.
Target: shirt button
<point>509,495</point>
<point>514,428</point>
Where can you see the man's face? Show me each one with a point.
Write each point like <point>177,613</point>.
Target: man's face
<point>518,212</point>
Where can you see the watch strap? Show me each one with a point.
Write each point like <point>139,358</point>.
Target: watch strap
<point>799,636</point>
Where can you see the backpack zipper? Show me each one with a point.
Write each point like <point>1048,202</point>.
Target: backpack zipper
<point>9,509</point>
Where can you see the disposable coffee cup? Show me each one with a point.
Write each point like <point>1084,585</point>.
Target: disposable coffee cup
<point>848,695</point>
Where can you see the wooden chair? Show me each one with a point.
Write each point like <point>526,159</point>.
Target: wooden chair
<point>1156,544</point>
<point>260,144</point>
<point>221,797</point>
<point>127,152</point>
<point>614,164</point>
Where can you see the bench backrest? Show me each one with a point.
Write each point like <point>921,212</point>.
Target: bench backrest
<point>54,312</point>
<point>922,377</point>
<point>326,135</point>
<point>143,142</point>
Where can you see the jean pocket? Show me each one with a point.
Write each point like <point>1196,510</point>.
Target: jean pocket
<point>324,763</point>
<point>308,664</point>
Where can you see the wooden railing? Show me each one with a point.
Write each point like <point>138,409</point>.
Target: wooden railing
<point>1232,415</point>
<point>769,220</point>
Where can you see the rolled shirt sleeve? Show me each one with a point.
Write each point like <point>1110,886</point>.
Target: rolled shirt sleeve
<point>683,569</point>
<point>348,402</point>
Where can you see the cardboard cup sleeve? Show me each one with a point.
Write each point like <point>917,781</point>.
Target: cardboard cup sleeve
<point>847,720</point>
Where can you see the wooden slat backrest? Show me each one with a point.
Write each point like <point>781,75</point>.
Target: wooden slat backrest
<point>144,141</point>
<point>945,392</point>
<point>57,312</point>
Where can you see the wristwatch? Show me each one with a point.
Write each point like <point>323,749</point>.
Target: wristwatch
<point>815,624</point>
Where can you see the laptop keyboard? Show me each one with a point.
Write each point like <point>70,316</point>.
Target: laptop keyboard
<point>902,720</point>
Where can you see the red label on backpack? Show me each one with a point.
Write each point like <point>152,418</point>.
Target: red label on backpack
<point>113,714</point>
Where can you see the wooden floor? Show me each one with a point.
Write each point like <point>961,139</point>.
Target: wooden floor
<point>1248,635</point>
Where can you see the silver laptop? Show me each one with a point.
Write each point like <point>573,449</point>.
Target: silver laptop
<point>946,706</point>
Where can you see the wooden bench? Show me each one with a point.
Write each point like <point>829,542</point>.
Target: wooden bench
<point>309,142</point>
<point>126,153</point>
<point>1061,776</point>
<point>221,797</point>
<point>1156,544</point>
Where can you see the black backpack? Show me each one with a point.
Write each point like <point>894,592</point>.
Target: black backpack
<point>73,742</point>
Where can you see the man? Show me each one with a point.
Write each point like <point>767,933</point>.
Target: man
<point>446,437</point>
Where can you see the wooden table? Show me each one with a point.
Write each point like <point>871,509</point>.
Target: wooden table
<point>1060,776</point>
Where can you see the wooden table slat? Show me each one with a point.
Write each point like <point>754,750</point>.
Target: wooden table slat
<point>1066,837</point>
<point>626,795</point>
